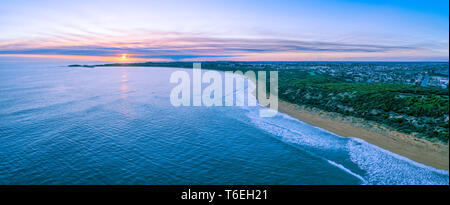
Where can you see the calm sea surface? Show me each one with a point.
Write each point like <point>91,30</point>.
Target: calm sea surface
<point>61,125</point>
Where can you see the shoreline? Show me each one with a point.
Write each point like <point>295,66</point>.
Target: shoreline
<point>420,150</point>
<point>426,152</point>
<point>434,154</point>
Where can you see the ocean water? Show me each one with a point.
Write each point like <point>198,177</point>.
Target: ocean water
<point>115,125</point>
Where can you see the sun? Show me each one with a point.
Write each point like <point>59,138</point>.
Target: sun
<point>124,57</point>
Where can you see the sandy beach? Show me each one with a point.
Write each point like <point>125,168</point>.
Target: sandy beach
<point>434,154</point>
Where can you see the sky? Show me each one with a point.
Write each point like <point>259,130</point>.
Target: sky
<point>241,30</point>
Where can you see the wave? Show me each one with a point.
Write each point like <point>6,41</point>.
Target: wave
<point>369,163</point>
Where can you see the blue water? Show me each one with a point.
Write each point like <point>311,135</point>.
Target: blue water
<point>61,125</point>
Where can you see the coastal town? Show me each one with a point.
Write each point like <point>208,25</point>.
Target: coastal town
<point>420,74</point>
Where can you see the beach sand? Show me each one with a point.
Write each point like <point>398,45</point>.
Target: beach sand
<point>434,154</point>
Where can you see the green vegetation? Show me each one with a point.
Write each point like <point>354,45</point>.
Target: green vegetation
<point>407,108</point>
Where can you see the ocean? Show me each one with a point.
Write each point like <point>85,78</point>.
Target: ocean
<point>116,125</point>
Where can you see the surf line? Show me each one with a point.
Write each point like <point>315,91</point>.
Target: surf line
<point>213,94</point>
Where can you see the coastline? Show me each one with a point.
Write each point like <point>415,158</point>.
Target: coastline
<point>426,152</point>
<point>420,150</point>
<point>434,154</point>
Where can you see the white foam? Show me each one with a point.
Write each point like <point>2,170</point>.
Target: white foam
<point>348,171</point>
<point>380,166</point>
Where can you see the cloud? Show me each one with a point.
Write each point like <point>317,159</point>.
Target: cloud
<point>182,47</point>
